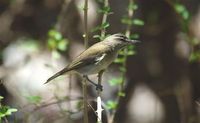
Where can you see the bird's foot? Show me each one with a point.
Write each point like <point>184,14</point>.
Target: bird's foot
<point>99,87</point>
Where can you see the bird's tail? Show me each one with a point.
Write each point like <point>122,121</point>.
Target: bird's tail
<point>63,71</point>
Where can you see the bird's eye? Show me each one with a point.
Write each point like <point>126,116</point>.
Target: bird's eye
<point>124,39</point>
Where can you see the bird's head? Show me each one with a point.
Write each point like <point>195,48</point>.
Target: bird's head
<point>119,41</point>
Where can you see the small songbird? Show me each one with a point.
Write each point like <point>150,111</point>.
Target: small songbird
<point>97,57</point>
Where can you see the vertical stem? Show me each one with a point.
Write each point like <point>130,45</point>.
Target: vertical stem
<point>6,120</point>
<point>86,23</point>
<point>100,74</point>
<point>99,108</point>
<point>84,81</point>
<point>130,15</point>
<point>0,107</point>
<point>69,94</point>
<point>127,33</point>
<point>105,16</point>
<point>121,87</point>
<point>85,105</point>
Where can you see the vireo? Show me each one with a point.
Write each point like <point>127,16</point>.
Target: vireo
<point>97,57</point>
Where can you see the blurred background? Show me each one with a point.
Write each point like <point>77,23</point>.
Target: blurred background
<point>162,76</point>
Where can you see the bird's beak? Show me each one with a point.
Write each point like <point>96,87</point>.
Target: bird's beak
<point>133,41</point>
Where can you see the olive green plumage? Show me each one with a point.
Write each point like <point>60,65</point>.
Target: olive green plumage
<point>97,57</point>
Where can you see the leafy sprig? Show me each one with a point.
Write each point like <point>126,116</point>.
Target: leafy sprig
<point>5,110</point>
<point>105,11</point>
<point>129,21</point>
<point>185,16</point>
<point>57,43</point>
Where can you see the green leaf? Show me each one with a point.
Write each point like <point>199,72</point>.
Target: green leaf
<point>195,41</point>
<point>62,45</point>
<point>10,111</point>
<point>1,98</point>
<point>55,34</point>
<point>195,56</point>
<point>126,20</point>
<point>179,8</point>
<point>131,47</point>
<point>58,36</point>
<point>3,110</point>
<point>122,69</point>
<point>134,36</point>
<point>119,60</point>
<point>138,22</point>
<point>121,94</point>
<point>105,10</point>
<point>6,110</point>
<point>105,25</point>
<point>115,81</point>
<point>121,52</point>
<point>132,6</point>
<point>111,104</point>
<point>51,33</point>
<point>97,36</point>
<point>34,99</point>
<point>131,52</point>
<point>185,15</point>
<point>52,43</point>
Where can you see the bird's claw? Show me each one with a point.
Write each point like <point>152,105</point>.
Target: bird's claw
<point>99,87</point>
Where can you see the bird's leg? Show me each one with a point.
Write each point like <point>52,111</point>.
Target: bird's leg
<point>100,74</point>
<point>98,87</point>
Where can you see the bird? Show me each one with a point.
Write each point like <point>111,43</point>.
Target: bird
<point>97,57</point>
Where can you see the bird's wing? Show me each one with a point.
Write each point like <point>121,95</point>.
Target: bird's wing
<point>93,59</point>
<point>90,56</point>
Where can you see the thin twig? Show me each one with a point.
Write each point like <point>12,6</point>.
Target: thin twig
<point>93,110</point>
<point>44,105</point>
<point>198,103</point>
<point>121,87</point>
<point>6,120</point>
<point>1,81</point>
<point>69,90</point>
<point>84,81</point>
<point>85,105</point>
<point>104,19</point>
<point>100,74</point>
<point>86,23</point>
<point>103,34</point>
<point>127,33</point>
<point>99,107</point>
<point>56,102</point>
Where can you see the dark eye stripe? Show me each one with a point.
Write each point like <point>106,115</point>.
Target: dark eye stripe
<point>121,37</point>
